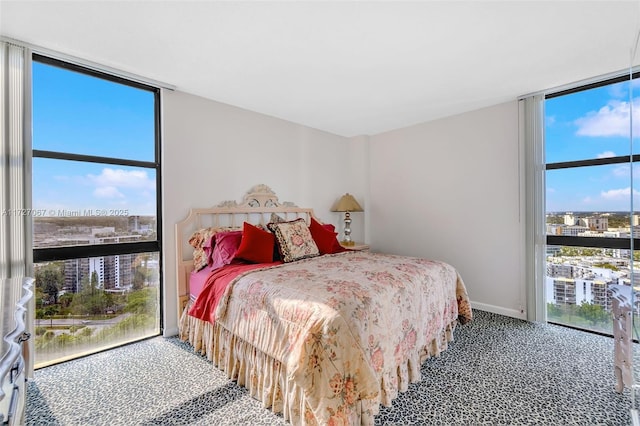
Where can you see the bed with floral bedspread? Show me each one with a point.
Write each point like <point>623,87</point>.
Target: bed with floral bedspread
<point>326,340</point>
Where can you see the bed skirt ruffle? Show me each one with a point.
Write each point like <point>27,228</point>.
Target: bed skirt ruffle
<point>267,380</point>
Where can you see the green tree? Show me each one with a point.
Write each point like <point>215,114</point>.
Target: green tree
<point>606,266</point>
<point>90,300</point>
<point>579,251</point>
<point>96,303</point>
<point>66,300</point>
<point>40,314</point>
<point>64,340</point>
<point>49,279</point>
<point>618,221</point>
<point>553,310</point>
<point>94,282</point>
<point>555,219</point>
<point>139,279</point>
<point>50,311</point>
<point>593,313</point>
<point>141,301</point>
<point>108,301</point>
<point>39,296</point>
<point>141,272</point>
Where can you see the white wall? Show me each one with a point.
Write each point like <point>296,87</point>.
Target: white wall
<point>449,190</point>
<point>214,152</point>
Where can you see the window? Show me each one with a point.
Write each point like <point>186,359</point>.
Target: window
<point>592,179</point>
<point>96,210</point>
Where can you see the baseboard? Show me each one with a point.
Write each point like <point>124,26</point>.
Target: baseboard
<point>514,313</point>
<point>170,332</point>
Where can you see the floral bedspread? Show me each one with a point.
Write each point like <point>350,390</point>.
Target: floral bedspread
<point>351,329</point>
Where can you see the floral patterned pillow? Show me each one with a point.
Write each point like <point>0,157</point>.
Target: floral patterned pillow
<point>199,237</point>
<point>294,240</point>
<point>275,218</point>
<point>198,240</point>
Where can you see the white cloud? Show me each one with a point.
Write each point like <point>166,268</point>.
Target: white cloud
<point>619,90</point>
<point>118,178</point>
<point>107,192</point>
<point>624,171</point>
<point>550,120</point>
<point>119,187</point>
<point>621,171</point>
<point>606,154</point>
<point>610,120</point>
<point>618,194</point>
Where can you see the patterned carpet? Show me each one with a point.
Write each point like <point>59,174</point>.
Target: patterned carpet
<point>498,371</point>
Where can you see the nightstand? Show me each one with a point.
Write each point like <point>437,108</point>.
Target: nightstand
<point>356,246</point>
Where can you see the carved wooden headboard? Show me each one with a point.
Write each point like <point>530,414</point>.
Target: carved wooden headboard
<point>256,208</point>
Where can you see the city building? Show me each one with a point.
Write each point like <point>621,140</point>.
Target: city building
<point>113,272</point>
<point>560,270</point>
<point>564,291</point>
<point>574,230</point>
<point>595,223</point>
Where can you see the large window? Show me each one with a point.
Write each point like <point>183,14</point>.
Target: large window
<point>96,215</point>
<point>592,183</point>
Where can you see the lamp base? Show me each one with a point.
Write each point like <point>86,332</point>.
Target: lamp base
<point>348,243</point>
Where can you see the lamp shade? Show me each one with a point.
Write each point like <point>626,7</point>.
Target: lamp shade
<point>347,203</point>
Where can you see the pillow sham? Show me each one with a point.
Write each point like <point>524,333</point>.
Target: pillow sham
<point>324,236</point>
<point>225,247</point>
<point>200,240</point>
<point>294,240</point>
<point>276,218</point>
<point>256,245</point>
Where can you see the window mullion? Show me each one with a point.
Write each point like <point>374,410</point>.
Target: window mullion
<point>37,153</point>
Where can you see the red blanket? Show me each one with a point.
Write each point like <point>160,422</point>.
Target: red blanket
<point>204,307</point>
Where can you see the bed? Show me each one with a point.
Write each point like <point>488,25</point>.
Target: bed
<point>318,333</point>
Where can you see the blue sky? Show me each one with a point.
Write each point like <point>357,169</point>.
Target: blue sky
<point>586,125</point>
<point>78,113</point>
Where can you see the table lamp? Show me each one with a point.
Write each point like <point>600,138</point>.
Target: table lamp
<point>347,204</point>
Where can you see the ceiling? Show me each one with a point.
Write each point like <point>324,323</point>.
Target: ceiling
<point>349,68</point>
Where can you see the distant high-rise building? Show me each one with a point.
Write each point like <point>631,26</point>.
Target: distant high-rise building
<point>126,271</point>
<point>595,223</point>
<point>564,291</point>
<point>569,219</point>
<point>600,294</point>
<point>134,223</point>
<point>96,264</point>
<point>555,228</point>
<point>75,271</point>
<point>574,230</point>
<point>560,270</point>
<point>113,272</point>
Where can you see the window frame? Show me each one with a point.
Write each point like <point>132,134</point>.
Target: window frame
<point>630,243</point>
<point>565,240</point>
<point>98,250</point>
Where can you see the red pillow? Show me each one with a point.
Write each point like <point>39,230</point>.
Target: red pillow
<point>256,245</point>
<point>226,245</point>
<point>325,237</point>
